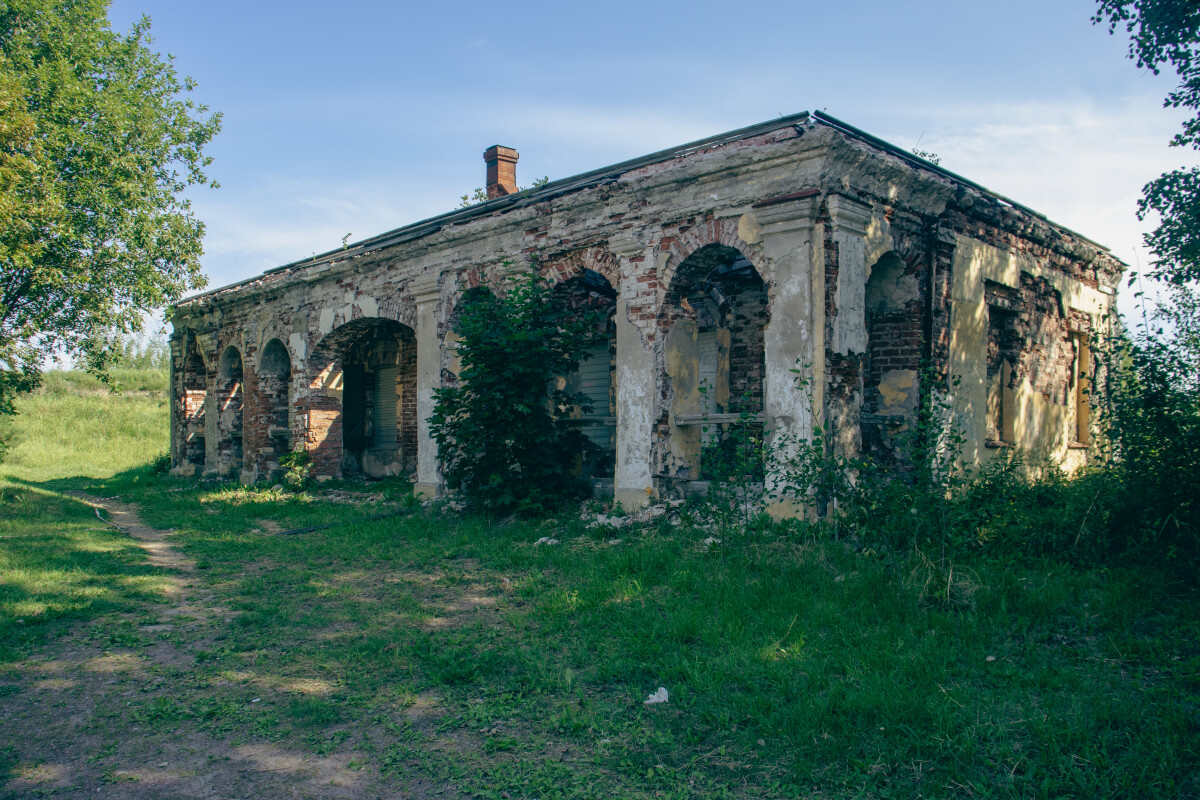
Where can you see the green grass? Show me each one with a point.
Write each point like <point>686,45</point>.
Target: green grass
<point>124,380</point>
<point>58,562</point>
<point>73,429</point>
<point>444,651</point>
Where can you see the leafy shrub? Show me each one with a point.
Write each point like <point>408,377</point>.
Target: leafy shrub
<point>1140,500</point>
<point>161,464</point>
<point>1153,425</point>
<point>502,432</point>
<point>296,466</point>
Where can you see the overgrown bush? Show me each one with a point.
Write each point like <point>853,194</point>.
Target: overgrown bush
<point>1139,500</point>
<point>502,433</point>
<point>297,468</point>
<point>1153,426</point>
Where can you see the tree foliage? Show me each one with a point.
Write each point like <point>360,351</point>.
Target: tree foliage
<point>1154,427</point>
<point>502,433</point>
<point>1166,33</point>
<point>98,141</point>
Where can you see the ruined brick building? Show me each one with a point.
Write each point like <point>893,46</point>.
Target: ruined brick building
<point>724,266</point>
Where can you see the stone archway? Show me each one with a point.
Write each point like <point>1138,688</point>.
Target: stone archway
<point>713,321</point>
<point>230,405</point>
<point>273,408</point>
<point>361,414</point>
<point>587,291</point>
<point>193,405</point>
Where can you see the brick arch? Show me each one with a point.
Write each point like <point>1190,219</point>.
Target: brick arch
<point>269,386</point>
<point>234,339</point>
<point>681,240</point>
<point>191,399</point>
<point>189,341</point>
<point>454,290</point>
<point>266,335</point>
<point>226,367</point>
<point>695,261</point>
<point>333,344</point>
<point>398,307</point>
<point>562,268</point>
<point>337,410</point>
<point>457,284</point>
<point>230,389</point>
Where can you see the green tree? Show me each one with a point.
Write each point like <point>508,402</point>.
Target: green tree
<point>1166,33</point>
<point>1153,411</point>
<point>98,141</point>
<point>502,433</point>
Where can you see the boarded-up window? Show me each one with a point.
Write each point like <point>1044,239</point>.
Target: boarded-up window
<point>385,407</point>
<point>595,383</point>
<point>706,342</point>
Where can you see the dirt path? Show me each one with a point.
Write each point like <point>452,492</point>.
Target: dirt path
<point>124,517</point>
<point>69,729</point>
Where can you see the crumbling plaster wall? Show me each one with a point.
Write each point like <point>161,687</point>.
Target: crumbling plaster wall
<point>1049,303</point>
<point>812,210</point>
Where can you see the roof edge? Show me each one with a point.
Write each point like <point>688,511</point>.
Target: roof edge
<point>433,224</point>
<point>563,185</point>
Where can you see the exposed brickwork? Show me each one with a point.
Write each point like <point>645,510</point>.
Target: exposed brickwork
<point>378,346</point>
<point>323,434</point>
<point>1043,331</point>
<point>230,387</point>
<point>267,429</point>
<point>663,235</point>
<point>194,381</point>
<point>572,265</point>
<point>745,316</point>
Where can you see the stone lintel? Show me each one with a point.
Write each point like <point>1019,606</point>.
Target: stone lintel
<point>847,214</point>
<point>789,214</point>
<point>425,288</point>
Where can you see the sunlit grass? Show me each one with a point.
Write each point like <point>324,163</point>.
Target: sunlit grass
<point>58,561</point>
<point>68,435</point>
<point>124,380</point>
<point>452,651</point>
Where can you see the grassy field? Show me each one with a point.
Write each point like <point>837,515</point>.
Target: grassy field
<point>429,654</point>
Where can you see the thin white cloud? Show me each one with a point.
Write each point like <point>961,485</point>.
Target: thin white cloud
<point>286,219</point>
<point>1080,163</point>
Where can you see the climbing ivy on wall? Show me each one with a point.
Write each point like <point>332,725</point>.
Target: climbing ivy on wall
<point>503,433</point>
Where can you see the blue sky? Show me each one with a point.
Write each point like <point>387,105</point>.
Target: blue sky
<point>364,116</point>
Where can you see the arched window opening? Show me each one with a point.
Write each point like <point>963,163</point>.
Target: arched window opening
<point>715,316</point>
<point>373,362</point>
<point>230,405</point>
<point>274,390</point>
<point>591,293</point>
<point>195,396</point>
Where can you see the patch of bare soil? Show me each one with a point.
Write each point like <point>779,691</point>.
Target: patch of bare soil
<point>89,715</point>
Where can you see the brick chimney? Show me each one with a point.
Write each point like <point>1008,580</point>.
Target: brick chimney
<point>501,171</point>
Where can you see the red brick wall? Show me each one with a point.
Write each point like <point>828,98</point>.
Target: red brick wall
<point>268,393</point>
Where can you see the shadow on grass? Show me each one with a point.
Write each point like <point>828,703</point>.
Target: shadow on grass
<point>59,563</point>
<point>792,662</point>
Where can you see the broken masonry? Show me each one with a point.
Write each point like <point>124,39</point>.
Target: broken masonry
<point>720,266</point>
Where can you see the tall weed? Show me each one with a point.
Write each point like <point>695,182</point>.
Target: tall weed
<point>1153,426</point>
